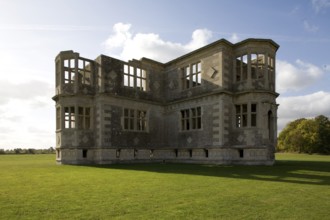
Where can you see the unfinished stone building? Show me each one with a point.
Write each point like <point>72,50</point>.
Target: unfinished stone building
<point>214,105</point>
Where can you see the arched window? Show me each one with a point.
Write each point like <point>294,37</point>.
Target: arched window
<point>270,126</point>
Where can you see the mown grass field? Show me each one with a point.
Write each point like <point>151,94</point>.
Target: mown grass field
<point>34,187</point>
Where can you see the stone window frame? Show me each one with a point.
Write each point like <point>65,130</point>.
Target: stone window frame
<point>79,117</point>
<point>254,62</point>
<point>258,65</point>
<point>241,112</point>
<point>134,77</point>
<point>84,117</point>
<point>69,66</point>
<point>135,120</point>
<point>271,68</point>
<point>191,119</point>
<point>253,114</point>
<point>58,118</point>
<point>241,67</point>
<point>85,71</point>
<point>246,115</point>
<point>58,73</point>
<point>69,117</point>
<point>191,75</point>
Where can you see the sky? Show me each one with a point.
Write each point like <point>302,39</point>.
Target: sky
<point>33,32</point>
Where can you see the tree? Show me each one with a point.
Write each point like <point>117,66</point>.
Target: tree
<point>306,136</point>
<point>324,132</point>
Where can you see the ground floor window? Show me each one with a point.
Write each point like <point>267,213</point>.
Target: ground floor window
<point>135,120</point>
<point>58,118</point>
<point>191,119</point>
<point>84,117</point>
<point>69,117</point>
<point>79,117</point>
<point>245,113</point>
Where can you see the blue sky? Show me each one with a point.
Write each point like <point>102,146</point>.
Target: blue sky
<point>33,32</point>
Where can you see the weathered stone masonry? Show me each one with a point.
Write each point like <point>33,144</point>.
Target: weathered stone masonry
<point>214,105</point>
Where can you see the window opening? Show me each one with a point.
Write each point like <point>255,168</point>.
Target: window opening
<point>58,68</point>
<point>84,117</point>
<point>206,153</point>
<point>58,118</point>
<point>69,71</point>
<point>84,153</point>
<point>141,120</point>
<point>135,120</point>
<point>257,65</point>
<point>185,125</point>
<point>192,76</point>
<point>253,115</point>
<point>241,115</point>
<point>270,126</point>
<point>69,117</point>
<point>84,70</point>
<point>191,119</point>
<point>135,77</point>
<point>196,74</point>
<point>270,65</point>
<point>241,153</point>
<point>241,68</point>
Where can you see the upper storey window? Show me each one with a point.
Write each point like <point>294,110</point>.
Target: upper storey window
<point>84,69</point>
<point>135,77</point>
<point>192,76</point>
<point>258,62</point>
<point>271,65</point>
<point>241,68</point>
<point>69,71</point>
<point>257,66</point>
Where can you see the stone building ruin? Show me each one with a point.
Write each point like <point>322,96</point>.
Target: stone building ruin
<point>214,105</point>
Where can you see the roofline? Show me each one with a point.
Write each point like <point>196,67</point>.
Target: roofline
<point>221,41</point>
<point>218,42</point>
<point>257,40</point>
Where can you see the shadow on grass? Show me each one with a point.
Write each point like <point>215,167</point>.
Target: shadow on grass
<point>302,172</point>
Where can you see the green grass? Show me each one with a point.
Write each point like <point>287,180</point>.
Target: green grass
<point>34,187</point>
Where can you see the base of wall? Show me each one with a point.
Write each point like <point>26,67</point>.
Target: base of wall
<point>225,156</point>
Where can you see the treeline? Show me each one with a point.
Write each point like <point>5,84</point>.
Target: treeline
<point>306,136</point>
<point>50,150</point>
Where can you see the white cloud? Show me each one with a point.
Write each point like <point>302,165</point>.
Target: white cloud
<point>295,77</point>
<point>234,38</point>
<point>125,45</point>
<point>200,38</point>
<point>22,105</point>
<point>26,90</point>
<point>309,27</point>
<point>320,5</point>
<point>120,36</point>
<point>19,115</point>
<point>307,106</point>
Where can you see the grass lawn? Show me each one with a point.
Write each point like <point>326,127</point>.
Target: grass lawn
<point>34,187</point>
